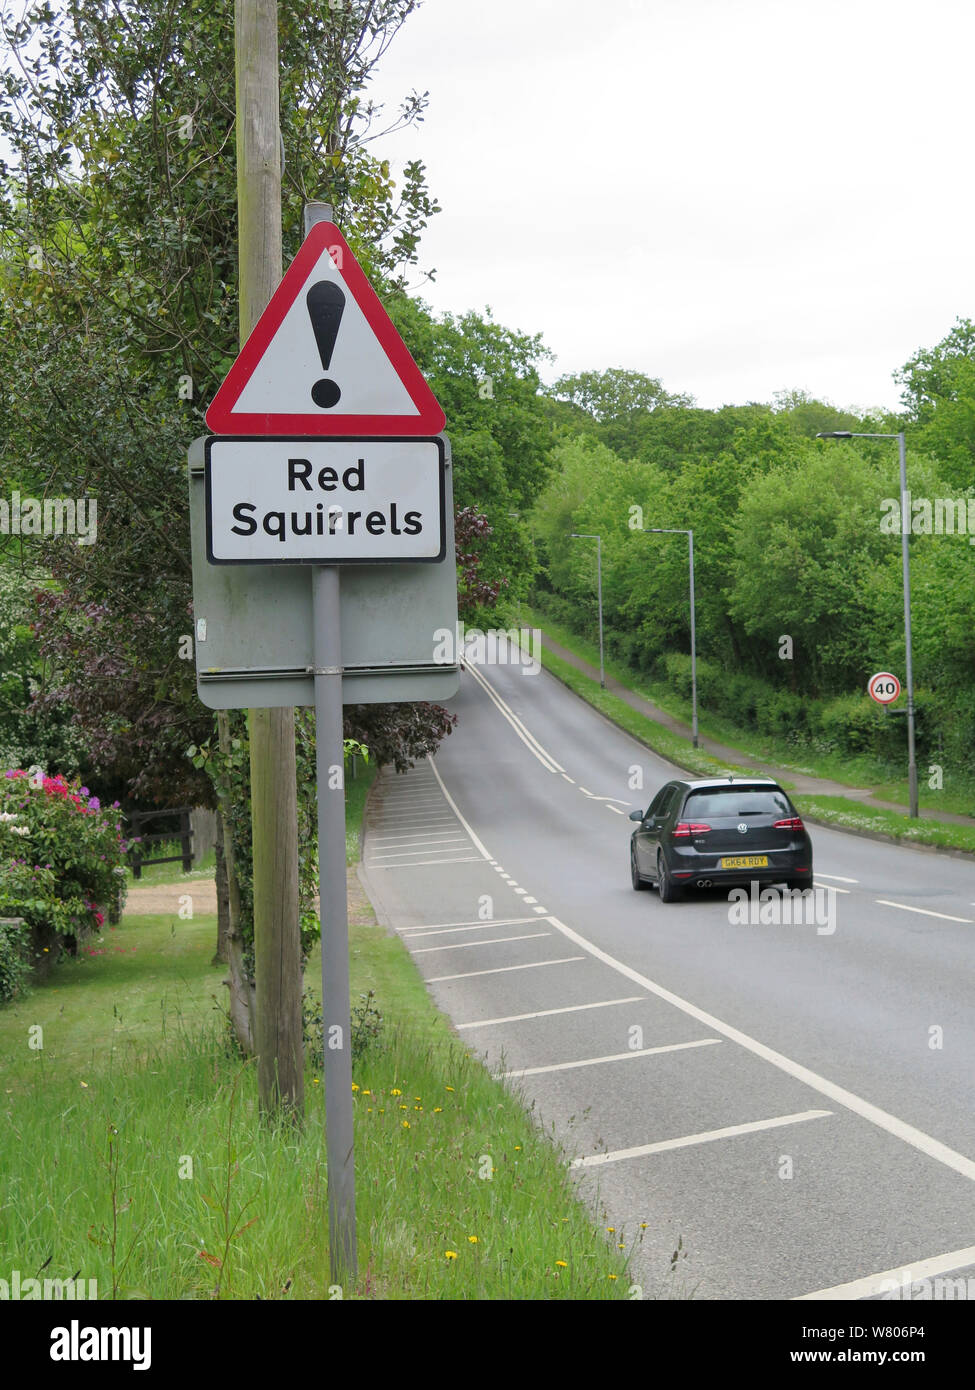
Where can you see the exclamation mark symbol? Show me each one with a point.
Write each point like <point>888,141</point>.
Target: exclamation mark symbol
<point>326,303</point>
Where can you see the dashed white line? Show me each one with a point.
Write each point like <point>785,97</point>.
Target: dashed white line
<point>613,1057</point>
<point>706,1137</point>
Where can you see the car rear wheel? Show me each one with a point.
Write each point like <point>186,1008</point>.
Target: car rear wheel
<point>636,878</point>
<point>666,887</point>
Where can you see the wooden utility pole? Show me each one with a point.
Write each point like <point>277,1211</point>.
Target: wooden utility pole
<point>274,810</point>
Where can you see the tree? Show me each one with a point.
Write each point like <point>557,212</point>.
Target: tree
<point>939,395</point>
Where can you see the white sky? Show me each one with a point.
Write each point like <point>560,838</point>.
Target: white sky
<point>736,196</point>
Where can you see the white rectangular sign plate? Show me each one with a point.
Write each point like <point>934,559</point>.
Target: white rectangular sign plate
<point>337,501</point>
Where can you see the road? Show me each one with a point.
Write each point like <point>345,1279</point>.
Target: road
<point>792,1103</point>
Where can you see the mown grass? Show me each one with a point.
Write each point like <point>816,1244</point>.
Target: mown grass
<point>855,815</point>
<point>133,1152</point>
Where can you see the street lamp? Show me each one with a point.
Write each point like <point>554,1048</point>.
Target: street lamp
<point>911,763</point>
<point>677,531</point>
<point>580,536</point>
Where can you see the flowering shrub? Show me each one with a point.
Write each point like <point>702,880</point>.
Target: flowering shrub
<point>61,855</point>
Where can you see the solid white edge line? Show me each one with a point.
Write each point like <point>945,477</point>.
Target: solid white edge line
<point>503,969</point>
<point>841,877</point>
<point>908,1134</point>
<point>527,738</point>
<point>453,806</point>
<point>599,1061</point>
<point>924,911</point>
<point>873,1283</point>
<point>707,1137</point>
<point>466,945</point>
<point>547,1013</point>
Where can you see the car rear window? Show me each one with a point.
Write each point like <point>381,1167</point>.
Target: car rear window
<point>737,801</point>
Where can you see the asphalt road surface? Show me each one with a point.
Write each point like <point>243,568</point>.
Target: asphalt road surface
<point>792,1102</point>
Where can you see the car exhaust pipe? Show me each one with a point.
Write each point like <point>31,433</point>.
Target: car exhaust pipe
<point>704,883</point>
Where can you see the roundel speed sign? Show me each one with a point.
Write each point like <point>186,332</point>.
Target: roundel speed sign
<point>884,688</point>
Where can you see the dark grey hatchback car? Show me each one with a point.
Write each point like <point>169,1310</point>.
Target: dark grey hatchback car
<point>722,830</point>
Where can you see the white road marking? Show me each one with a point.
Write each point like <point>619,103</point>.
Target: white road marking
<point>453,806</point>
<point>541,909</point>
<point>904,1275</point>
<point>471,859</point>
<point>492,941</point>
<point>521,891</point>
<point>437,927</point>
<point>568,778</point>
<point>613,1057</point>
<point>547,1013</point>
<point>413,835</point>
<point>531,900</point>
<point>840,877</point>
<point>925,912</point>
<point>416,849</point>
<point>527,738</point>
<point>933,1148</point>
<point>707,1137</point>
<point>503,969</point>
<point>614,808</point>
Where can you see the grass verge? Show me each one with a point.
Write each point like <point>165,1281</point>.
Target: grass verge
<point>828,810</point>
<point>133,1152</point>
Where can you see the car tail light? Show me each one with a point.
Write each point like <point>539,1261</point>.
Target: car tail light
<point>793,823</point>
<point>685,829</point>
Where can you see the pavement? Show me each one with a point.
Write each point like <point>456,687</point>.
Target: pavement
<point>801,781</point>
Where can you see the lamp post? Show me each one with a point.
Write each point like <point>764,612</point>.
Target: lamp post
<point>677,531</point>
<point>905,561</point>
<point>581,536</point>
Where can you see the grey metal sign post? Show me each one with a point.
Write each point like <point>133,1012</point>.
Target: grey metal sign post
<point>333,915</point>
<point>280,505</point>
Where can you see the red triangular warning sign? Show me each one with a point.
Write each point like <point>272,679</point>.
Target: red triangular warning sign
<point>324,358</point>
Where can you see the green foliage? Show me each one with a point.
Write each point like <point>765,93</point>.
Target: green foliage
<point>486,378</point>
<point>788,544</point>
<point>15,967</point>
<point>29,733</point>
<point>939,393</point>
<point>61,855</point>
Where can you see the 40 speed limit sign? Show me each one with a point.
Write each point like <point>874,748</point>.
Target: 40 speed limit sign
<point>884,688</point>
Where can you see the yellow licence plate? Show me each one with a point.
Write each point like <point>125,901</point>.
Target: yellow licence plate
<point>745,861</point>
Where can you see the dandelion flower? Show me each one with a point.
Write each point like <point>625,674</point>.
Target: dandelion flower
<point>472,1239</point>
<point>448,1088</point>
<point>561,1264</point>
<point>396,1091</point>
<point>450,1254</point>
<point>406,1124</point>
